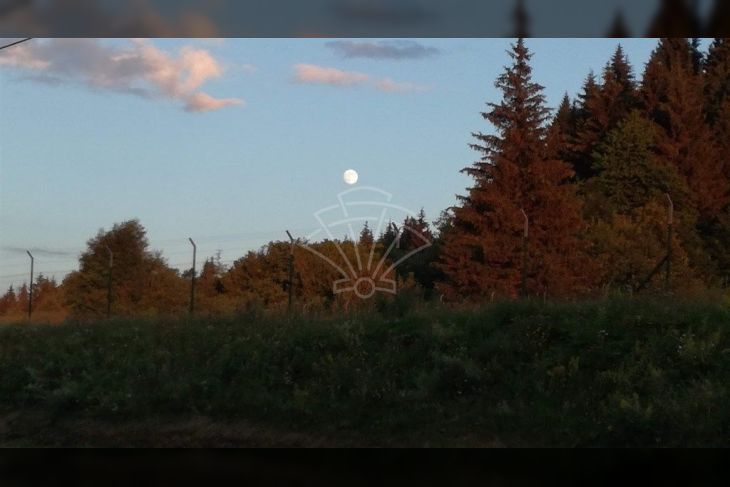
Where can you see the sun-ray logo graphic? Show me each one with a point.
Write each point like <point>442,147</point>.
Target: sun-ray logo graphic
<point>366,268</point>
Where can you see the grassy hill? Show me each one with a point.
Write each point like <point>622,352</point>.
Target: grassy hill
<point>627,372</point>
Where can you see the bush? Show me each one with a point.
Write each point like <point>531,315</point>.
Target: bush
<point>623,372</point>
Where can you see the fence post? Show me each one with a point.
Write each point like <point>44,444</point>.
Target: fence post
<point>525,236</point>
<point>192,282</point>
<point>109,282</point>
<point>670,231</point>
<point>30,288</point>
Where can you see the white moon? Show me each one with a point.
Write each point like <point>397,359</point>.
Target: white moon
<point>350,176</point>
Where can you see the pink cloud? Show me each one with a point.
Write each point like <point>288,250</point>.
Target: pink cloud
<point>203,102</point>
<point>138,68</point>
<point>313,74</point>
<point>389,86</point>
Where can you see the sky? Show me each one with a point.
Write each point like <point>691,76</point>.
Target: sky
<point>233,141</point>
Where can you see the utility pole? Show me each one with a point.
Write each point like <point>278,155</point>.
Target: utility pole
<point>109,283</point>
<point>291,271</point>
<point>30,288</point>
<point>525,235</point>
<point>192,282</point>
<point>670,231</point>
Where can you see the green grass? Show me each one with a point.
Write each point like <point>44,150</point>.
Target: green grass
<point>619,372</point>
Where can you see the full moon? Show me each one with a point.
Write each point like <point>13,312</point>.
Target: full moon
<point>350,176</point>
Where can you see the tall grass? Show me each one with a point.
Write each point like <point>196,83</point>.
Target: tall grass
<point>620,371</point>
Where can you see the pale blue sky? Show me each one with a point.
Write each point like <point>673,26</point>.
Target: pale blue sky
<point>77,156</point>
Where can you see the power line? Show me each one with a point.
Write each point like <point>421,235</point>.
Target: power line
<point>15,43</point>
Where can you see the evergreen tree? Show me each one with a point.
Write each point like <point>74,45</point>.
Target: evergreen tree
<point>619,88</point>
<point>8,303</point>
<point>416,236</point>
<point>481,255</point>
<point>366,239</point>
<point>23,299</point>
<point>591,122</point>
<point>717,81</point>
<point>388,236</point>
<point>561,130</point>
<point>717,112</point>
<point>673,99</point>
<point>601,107</point>
<point>628,175</point>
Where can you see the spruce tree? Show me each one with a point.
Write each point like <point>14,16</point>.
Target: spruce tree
<point>619,88</point>
<point>591,121</point>
<point>672,95</point>
<point>628,174</point>
<point>482,252</point>
<point>8,302</point>
<point>717,81</point>
<point>561,130</point>
<point>717,112</point>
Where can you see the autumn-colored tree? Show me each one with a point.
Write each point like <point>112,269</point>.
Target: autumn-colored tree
<point>619,90</point>
<point>628,174</point>
<point>481,255</point>
<point>673,99</point>
<point>561,129</point>
<point>415,251</point>
<point>627,247</point>
<point>142,283</point>
<point>210,292</point>
<point>621,201</point>
<point>717,90</point>
<point>591,121</point>
<point>48,300</point>
<point>23,298</point>
<point>716,231</point>
<point>8,303</point>
<point>600,108</point>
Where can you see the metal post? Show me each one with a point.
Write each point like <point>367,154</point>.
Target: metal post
<point>30,288</point>
<point>525,235</point>
<point>291,270</point>
<point>670,231</point>
<point>397,234</point>
<point>109,283</point>
<point>192,282</point>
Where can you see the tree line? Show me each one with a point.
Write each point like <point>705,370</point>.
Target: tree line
<point>593,180</point>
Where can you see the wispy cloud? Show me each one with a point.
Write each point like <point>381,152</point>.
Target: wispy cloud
<point>321,75</point>
<point>389,86</point>
<point>138,68</point>
<point>398,49</point>
<point>311,73</point>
